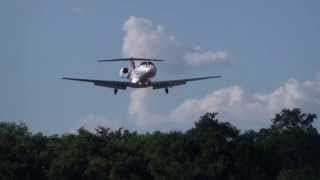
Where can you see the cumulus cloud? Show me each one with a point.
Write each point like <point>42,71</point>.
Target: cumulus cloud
<point>138,107</point>
<point>245,110</point>
<point>144,39</point>
<point>203,58</point>
<point>234,105</point>
<point>143,113</point>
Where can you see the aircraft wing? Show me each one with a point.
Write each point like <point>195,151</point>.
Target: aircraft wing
<point>109,84</point>
<point>170,83</point>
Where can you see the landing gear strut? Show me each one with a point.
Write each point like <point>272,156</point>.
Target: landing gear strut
<point>166,90</point>
<point>115,91</point>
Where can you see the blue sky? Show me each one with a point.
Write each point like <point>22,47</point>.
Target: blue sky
<point>272,50</point>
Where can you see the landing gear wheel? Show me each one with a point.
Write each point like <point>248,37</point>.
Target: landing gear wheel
<point>115,91</point>
<point>166,90</point>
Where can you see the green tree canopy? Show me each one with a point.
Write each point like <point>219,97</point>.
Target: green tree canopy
<point>212,149</point>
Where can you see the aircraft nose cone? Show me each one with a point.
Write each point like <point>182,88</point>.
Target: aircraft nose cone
<point>135,80</point>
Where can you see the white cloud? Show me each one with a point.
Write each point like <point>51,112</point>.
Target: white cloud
<point>143,114</point>
<point>144,39</point>
<point>234,105</point>
<point>138,106</point>
<point>203,58</point>
<point>253,111</point>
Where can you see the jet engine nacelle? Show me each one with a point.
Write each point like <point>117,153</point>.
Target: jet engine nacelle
<point>124,72</point>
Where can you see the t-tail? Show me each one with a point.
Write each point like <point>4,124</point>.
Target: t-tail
<point>131,60</point>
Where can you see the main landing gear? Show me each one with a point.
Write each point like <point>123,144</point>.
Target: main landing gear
<point>166,90</point>
<point>115,91</point>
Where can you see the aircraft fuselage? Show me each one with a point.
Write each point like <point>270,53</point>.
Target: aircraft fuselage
<point>142,74</point>
<point>139,76</point>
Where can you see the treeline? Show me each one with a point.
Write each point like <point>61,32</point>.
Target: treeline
<point>288,150</point>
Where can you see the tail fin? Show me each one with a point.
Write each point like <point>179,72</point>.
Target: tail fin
<point>132,63</point>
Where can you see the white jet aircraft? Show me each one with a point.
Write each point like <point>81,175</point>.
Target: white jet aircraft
<point>139,77</point>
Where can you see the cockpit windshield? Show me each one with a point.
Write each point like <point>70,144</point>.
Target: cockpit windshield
<point>146,63</point>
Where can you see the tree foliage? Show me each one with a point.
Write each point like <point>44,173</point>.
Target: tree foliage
<point>288,149</point>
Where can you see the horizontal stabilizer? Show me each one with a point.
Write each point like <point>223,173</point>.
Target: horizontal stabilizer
<point>129,59</point>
